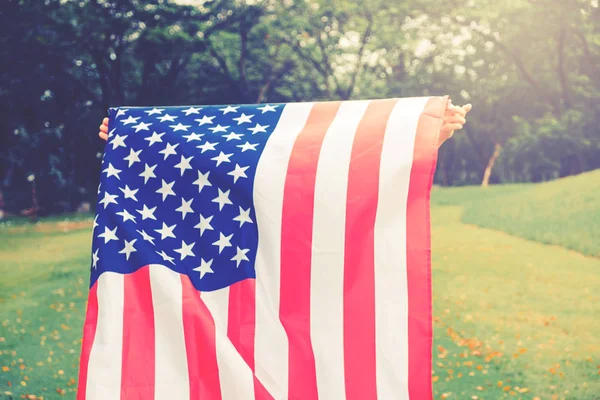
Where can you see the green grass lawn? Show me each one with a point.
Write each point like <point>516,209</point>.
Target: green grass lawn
<point>565,212</point>
<point>513,318</point>
<point>42,305</point>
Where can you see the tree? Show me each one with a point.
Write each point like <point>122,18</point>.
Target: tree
<point>530,67</point>
<point>523,60</point>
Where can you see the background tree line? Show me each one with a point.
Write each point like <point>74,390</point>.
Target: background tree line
<point>530,67</point>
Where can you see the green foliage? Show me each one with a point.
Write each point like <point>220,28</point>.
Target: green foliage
<point>520,63</point>
<point>549,148</point>
<point>529,67</point>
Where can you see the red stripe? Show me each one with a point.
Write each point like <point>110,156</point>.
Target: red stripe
<point>241,322</point>
<point>418,245</point>
<point>296,249</point>
<point>359,258</point>
<point>200,345</point>
<point>137,379</point>
<point>89,333</point>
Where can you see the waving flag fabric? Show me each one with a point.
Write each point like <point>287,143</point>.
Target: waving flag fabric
<point>271,251</point>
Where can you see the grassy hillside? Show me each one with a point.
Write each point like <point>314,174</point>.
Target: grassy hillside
<point>472,195</point>
<point>43,289</point>
<point>512,318</point>
<point>564,212</point>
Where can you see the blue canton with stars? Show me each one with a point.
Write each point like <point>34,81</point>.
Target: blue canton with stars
<point>177,190</point>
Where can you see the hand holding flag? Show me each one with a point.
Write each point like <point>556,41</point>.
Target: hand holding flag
<point>454,119</point>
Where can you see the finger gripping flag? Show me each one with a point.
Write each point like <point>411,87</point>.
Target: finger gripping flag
<point>270,251</point>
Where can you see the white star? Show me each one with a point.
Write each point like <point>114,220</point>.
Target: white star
<point>204,224</point>
<point>165,257</point>
<point>112,171</point>
<point>267,108</point>
<point>109,135</point>
<point>108,198</point>
<point>142,126</point>
<point>207,146</point>
<point>156,137</point>
<point>118,141</point>
<point>130,120</point>
<point>179,127</point>
<point>234,136</point>
<point>148,173</point>
<point>205,120</point>
<point>186,207</point>
<point>133,157</point>
<point>128,249</point>
<point>222,199</point>
<point>184,164</point>
<point>247,146</point>
<point>243,118</point>
<point>240,256</point>
<point>126,216</point>
<point>185,250</point>
<point>243,217</point>
<point>147,213</point>
<point>95,222</point>
<point>192,110</point>
<point>204,268</point>
<point>95,258</point>
<point>109,235</point>
<point>238,172</point>
<point>169,149</point>
<point>222,157</point>
<point>155,111</point>
<point>258,128</point>
<point>219,128</point>
<point>224,241</point>
<point>166,231</point>
<point>146,237</point>
<point>129,193</point>
<point>166,189</point>
<point>228,109</point>
<point>167,117</point>
<point>193,136</point>
<point>202,181</point>
<point>121,111</point>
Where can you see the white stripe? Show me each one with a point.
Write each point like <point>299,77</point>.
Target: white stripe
<point>104,371</point>
<point>271,344</point>
<point>391,290</point>
<point>171,372</point>
<point>327,270</point>
<point>237,380</point>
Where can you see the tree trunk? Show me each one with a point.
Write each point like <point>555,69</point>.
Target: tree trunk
<point>490,165</point>
<point>263,91</point>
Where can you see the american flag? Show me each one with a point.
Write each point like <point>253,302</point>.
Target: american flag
<point>270,251</point>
